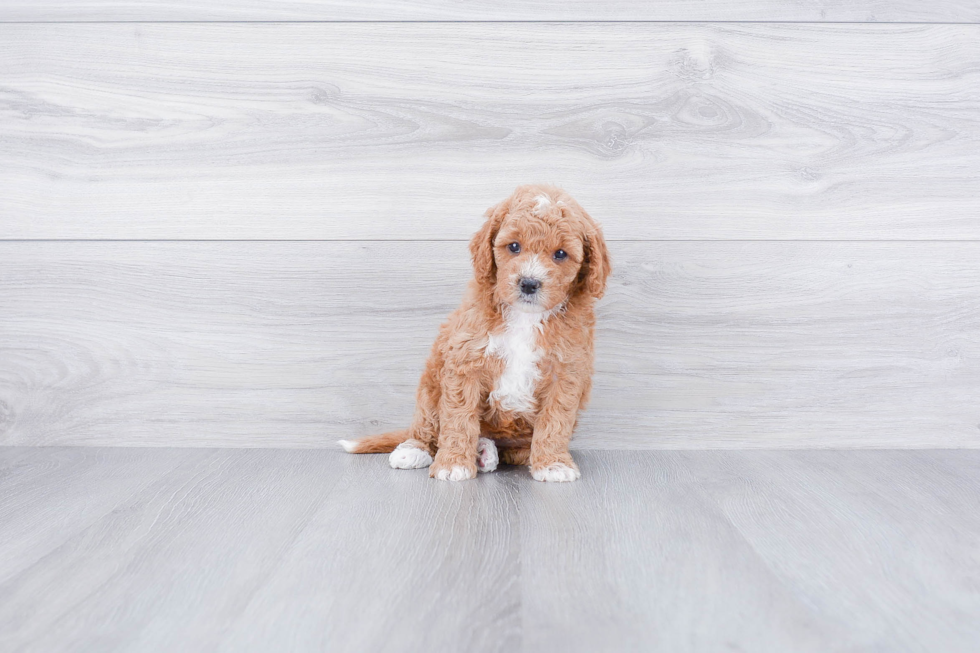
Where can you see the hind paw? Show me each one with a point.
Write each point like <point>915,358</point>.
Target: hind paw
<point>408,456</point>
<point>486,455</point>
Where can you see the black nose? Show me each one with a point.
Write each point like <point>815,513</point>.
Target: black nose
<point>530,286</point>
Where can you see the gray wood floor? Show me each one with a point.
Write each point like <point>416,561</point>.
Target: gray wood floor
<point>201,550</point>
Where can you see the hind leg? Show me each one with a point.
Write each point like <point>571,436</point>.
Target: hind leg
<point>417,451</point>
<point>424,430</point>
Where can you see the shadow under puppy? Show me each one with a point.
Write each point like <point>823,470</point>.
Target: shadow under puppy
<point>512,366</point>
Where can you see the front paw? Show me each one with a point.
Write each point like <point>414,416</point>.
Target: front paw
<point>452,468</point>
<point>556,472</point>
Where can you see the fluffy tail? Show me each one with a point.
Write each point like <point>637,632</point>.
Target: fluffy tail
<point>384,443</point>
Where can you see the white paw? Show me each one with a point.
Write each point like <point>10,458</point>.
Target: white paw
<point>486,455</point>
<point>408,456</point>
<point>457,473</point>
<point>557,473</point>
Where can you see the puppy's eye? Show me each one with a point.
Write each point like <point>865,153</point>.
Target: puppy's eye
<point>561,255</point>
<point>515,247</point>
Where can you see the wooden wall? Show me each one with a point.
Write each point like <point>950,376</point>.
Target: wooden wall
<point>240,224</point>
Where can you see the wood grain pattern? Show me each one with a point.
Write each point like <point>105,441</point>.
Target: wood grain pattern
<point>48,495</point>
<point>258,550</point>
<point>864,502</point>
<point>511,10</point>
<point>396,562</point>
<point>754,551</point>
<point>174,562</point>
<point>700,345</point>
<point>666,570</point>
<point>409,131</point>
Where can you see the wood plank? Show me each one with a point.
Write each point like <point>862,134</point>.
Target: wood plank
<point>513,10</point>
<point>172,566</point>
<point>410,130</point>
<point>715,345</point>
<point>754,551</point>
<point>49,496</point>
<point>838,528</point>
<point>248,550</point>
<point>635,557</point>
<point>395,561</point>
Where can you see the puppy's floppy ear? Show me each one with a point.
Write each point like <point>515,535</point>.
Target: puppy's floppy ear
<point>481,247</point>
<point>596,266</point>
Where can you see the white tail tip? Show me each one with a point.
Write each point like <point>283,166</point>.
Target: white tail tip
<point>348,445</point>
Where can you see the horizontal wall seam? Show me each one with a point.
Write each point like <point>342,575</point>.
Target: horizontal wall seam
<point>466,240</point>
<point>451,22</point>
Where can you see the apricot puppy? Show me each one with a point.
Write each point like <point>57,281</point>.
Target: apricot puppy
<point>512,366</point>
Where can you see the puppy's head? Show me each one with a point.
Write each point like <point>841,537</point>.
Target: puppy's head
<point>537,249</point>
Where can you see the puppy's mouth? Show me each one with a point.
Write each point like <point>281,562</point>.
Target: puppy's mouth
<point>528,303</point>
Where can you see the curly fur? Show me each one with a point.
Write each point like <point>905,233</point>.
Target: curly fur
<point>507,366</point>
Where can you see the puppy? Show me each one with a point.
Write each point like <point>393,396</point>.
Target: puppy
<point>512,366</point>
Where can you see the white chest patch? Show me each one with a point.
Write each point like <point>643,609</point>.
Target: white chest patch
<point>517,346</point>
